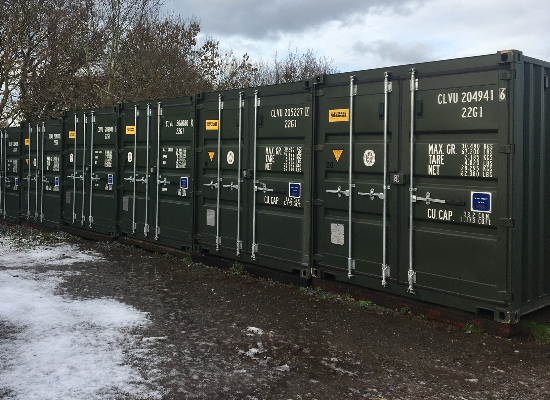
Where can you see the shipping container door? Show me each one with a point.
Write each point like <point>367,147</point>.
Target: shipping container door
<point>174,155</point>
<point>3,167</point>
<point>354,151</point>
<point>50,167</point>
<point>135,199</point>
<point>29,192</point>
<point>455,147</point>
<point>221,160</point>
<point>280,135</point>
<point>101,178</point>
<point>13,145</point>
<point>76,162</point>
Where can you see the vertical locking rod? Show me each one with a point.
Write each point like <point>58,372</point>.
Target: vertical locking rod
<point>134,159</point>
<point>385,268</point>
<point>146,226</point>
<point>36,174</point>
<point>92,179</point>
<point>74,169</point>
<point>29,176</point>
<point>42,173</point>
<point>351,261</point>
<point>411,274</point>
<point>83,177</point>
<point>218,238</point>
<point>254,245</point>
<point>239,243</point>
<point>159,119</point>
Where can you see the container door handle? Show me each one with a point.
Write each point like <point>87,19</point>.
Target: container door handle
<point>372,194</point>
<point>338,191</point>
<point>212,185</point>
<point>232,186</point>
<point>428,199</point>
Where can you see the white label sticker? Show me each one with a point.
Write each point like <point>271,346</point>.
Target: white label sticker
<point>369,158</point>
<point>337,234</point>
<point>210,217</point>
<point>230,157</point>
<point>129,156</point>
<point>71,157</point>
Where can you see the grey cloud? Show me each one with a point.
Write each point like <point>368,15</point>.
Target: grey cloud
<point>396,53</point>
<point>270,18</point>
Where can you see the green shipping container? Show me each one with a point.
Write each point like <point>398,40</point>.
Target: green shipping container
<point>430,182</point>
<point>10,197</point>
<point>157,168</point>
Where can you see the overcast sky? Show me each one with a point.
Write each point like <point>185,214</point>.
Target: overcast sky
<point>364,34</point>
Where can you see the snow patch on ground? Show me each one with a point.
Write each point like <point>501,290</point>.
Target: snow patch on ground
<point>58,347</point>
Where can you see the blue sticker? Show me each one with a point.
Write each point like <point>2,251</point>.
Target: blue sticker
<point>56,181</point>
<point>481,202</point>
<point>110,179</point>
<point>294,190</point>
<point>16,181</point>
<point>183,183</point>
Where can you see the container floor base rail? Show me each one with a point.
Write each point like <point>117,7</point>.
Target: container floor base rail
<point>416,307</point>
<point>86,234</point>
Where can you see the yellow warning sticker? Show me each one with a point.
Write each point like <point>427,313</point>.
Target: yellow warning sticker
<point>72,134</point>
<point>211,155</point>
<point>339,115</point>
<point>131,130</point>
<point>337,154</point>
<point>27,142</point>
<point>212,124</point>
<point>27,161</point>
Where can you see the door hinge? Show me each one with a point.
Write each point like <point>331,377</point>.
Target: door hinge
<point>318,147</point>
<point>508,149</point>
<point>506,222</point>
<point>318,202</point>
<point>200,106</point>
<point>198,150</point>
<point>318,257</point>
<point>319,93</point>
<point>506,296</point>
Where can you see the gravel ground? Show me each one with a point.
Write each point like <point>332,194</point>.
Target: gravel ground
<point>214,334</point>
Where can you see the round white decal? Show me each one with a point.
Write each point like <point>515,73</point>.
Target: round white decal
<point>230,157</point>
<point>369,158</point>
<point>129,156</point>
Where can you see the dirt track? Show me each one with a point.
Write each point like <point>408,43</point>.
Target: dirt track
<point>222,336</point>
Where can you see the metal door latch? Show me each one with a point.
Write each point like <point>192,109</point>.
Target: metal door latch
<point>339,191</point>
<point>263,188</point>
<point>95,178</point>
<point>428,199</point>
<point>163,182</point>
<point>232,186</point>
<point>212,185</point>
<point>372,194</point>
<point>131,179</point>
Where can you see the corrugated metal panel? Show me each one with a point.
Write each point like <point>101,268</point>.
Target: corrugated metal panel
<point>50,167</point>
<point>11,184</point>
<point>137,123</point>
<point>465,220</point>
<point>223,177</point>
<point>254,182</point>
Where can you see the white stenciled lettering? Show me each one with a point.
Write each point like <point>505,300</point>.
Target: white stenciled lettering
<point>441,215</point>
<point>436,158</point>
<point>447,98</point>
<point>273,200</point>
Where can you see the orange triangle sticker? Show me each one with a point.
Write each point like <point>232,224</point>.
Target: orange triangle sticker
<point>211,155</point>
<point>337,154</point>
